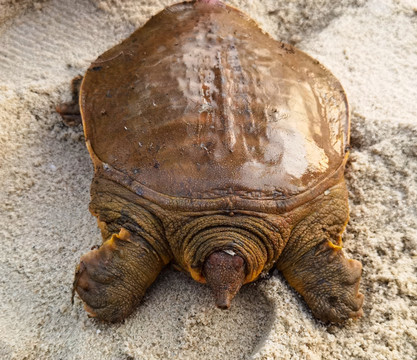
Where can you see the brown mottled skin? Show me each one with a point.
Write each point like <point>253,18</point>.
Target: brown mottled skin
<point>222,151</point>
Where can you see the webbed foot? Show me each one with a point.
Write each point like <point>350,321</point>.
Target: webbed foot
<point>112,279</point>
<point>329,282</point>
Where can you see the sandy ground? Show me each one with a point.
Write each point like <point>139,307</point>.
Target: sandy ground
<point>45,173</point>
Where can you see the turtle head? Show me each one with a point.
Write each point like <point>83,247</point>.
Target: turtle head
<point>225,274</point>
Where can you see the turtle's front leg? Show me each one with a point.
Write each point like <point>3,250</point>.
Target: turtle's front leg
<point>314,264</point>
<point>70,111</point>
<point>112,279</point>
<point>328,282</point>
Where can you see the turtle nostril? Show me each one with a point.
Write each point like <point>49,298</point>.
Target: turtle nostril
<point>223,306</point>
<point>223,303</point>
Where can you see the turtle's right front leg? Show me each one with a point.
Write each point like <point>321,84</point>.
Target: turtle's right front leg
<point>70,111</point>
<point>112,279</point>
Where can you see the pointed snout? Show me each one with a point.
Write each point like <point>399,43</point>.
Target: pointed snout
<point>224,274</point>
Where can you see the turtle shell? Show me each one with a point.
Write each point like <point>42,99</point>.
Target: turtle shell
<point>201,103</point>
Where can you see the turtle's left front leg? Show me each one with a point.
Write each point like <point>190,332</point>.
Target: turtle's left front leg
<point>70,111</point>
<point>314,264</point>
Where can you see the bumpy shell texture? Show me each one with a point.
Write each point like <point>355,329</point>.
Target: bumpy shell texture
<point>201,103</point>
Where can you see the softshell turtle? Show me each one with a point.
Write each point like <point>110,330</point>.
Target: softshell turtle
<point>222,151</point>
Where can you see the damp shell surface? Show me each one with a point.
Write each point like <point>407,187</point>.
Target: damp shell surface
<point>201,103</point>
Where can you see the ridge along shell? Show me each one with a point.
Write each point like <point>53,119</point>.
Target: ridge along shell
<point>201,103</point>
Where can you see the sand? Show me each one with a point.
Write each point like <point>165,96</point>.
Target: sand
<point>45,173</point>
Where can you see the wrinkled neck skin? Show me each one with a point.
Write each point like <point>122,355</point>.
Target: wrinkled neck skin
<point>257,238</point>
<point>188,238</point>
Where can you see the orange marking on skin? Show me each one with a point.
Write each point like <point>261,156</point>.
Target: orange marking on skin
<point>111,243</point>
<point>89,311</point>
<point>334,246</point>
<point>124,234</point>
<point>101,224</point>
<point>197,276</point>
